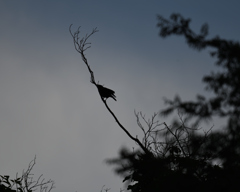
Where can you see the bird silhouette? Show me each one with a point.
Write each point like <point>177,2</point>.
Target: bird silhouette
<point>105,92</point>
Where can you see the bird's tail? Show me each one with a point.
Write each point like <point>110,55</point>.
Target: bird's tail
<point>114,97</point>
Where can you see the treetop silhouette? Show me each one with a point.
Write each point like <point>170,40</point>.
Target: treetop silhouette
<point>176,157</point>
<point>225,84</point>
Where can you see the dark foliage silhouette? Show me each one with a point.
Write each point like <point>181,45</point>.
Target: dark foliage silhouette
<point>4,188</point>
<point>225,85</point>
<point>183,158</point>
<point>180,157</point>
<point>26,182</point>
<point>177,161</point>
<point>105,92</point>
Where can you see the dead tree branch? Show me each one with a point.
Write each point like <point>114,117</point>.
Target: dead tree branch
<point>26,182</point>
<point>31,185</point>
<point>81,45</point>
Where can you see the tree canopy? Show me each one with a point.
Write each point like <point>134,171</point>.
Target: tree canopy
<point>224,84</point>
<point>183,158</point>
<point>178,156</point>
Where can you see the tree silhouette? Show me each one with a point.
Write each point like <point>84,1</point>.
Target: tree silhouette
<point>26,182</point>
<point>180,157</point>
<point>225,85</point>
<point>177,162</point>
<point>183,158</point>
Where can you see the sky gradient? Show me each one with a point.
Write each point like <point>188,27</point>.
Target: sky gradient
<point>48,107</point>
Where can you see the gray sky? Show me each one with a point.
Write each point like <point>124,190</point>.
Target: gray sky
<point>48,107</point>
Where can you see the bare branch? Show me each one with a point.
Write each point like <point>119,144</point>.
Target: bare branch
<point>81,45</point>
<point>104,189</point>
<point>125,130</point>
<point>150,133</point>
<point>31,185</point>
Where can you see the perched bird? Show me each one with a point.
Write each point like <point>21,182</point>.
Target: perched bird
<point>105,92</point>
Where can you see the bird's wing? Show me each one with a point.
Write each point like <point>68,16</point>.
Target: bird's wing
<point>110,90</point>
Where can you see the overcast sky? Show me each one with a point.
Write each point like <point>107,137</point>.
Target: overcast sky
<point>48,107</point>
